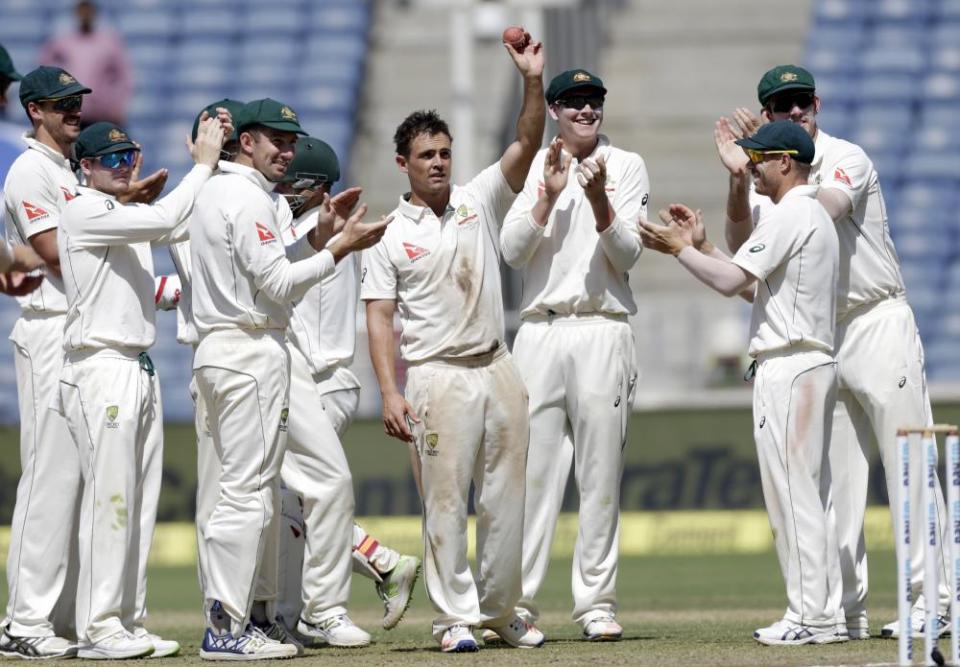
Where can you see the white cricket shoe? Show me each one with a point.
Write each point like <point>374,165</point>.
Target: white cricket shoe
<point>120,645</point>
<point>918,618</point>
<point>603,629</point>
<point>518,633</point>
<point>335,631</point>
<point>490,637</point>
<point>36,648</point>
<point>858,627</point>
<point>397,588</point>
<point>788,633</point>
<point>162,648</point>
<point>458,639</point>
<point>251,645</point>
<point>277,631</point>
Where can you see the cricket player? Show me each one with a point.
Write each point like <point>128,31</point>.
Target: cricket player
<point>882,383</point>
<point>465,407</point>
<point>243,282</point>
<point>109,393</point>
<point>322,340</point>
<point>795,375</point>
<point>573,232</point>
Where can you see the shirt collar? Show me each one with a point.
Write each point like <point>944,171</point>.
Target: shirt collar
<point>801,191</point>
<point>600,149</point>
<point>249,173</point>
<point>88,191</point>
<point>414,212</point>
<point>820,144</point>
<point>42,148</point>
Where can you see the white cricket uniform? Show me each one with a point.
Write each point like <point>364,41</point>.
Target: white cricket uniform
<point>575,351</point>
<point>110,394</point>
<point>880,369</point>
<point>791,337</point>
<point>243,283</point>
<point>444,274</point>
<point>42,561</point>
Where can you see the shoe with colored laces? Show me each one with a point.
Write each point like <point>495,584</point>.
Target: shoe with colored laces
<point>36,648</point>
<point>162,648</point>
<point>397,588</point>
<point>602,629</point>
<point>787,633</point>
<point>918,618</point>
<point>335,631</point>
<point>118,646</point>
<point>518,633</point>
<point>251,645</point>
<point>458,639</point>
<point>277,631</point>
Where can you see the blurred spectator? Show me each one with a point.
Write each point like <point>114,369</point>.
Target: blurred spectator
<point>7,75</point>
<point>98,57</point>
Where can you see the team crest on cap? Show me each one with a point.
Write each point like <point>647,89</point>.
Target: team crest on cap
<point>66,79</point>
<point>788,76</point>
<point>581,76</point>
<point>288,114</point>
<point>116,136</point>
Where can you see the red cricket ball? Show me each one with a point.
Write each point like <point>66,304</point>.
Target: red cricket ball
<point>516,37</point>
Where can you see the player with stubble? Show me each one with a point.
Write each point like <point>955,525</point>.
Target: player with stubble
<point>465,406</point>
<point>880,368</point>
<point>573,233</point>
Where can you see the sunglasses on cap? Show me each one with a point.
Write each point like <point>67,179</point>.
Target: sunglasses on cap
<point>579,101</point>
<point>306,179</point>
<point>72,103</point>
<point>785,103</point>
<point>120,159</point>
<point>756,157</point>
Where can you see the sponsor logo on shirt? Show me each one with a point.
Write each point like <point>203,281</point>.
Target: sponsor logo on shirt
<point>432,440</point>
<point>414,252</point>
<point>902,381</point>
<point>465,215</point>
<point>67,194</point>
<point>34,212</point>
<point>757,248</point>
<point>284,414</point>
<point>840,175</point>
<point>113,411</point>
<point>610,185</point>
<point>266,236</point>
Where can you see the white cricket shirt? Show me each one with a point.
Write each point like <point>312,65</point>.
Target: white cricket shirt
<point>107,264</point>
<point>869,266</point>
<point>567,267</point>
<point>323,325</point>
<point>444,273</point>
<point>794,254</point>
<point>243,277</point>
<point>38,186</point>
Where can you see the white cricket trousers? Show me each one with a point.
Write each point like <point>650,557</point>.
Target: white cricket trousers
<point>42,561</point>
<point>793,399</point>
<point>315,469</point>
<point>882,388</point>
<point>580,374</point>
<point>112,406</point>
<point>243,380</point>
<point>474,426</point>
<point>208,476</point>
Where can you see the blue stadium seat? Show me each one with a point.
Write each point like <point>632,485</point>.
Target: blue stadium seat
<point>876,140</point>
<point>892,58</point>
<point>934,165</point>
<point>906,11</point>
<point>829,12</point>
<point>335,47</point>
<point>21,25</point>
<point>831,58</point>
<point>213,21</point>
<point>155,23</point>
<point>276,18</point>
<point>148,54</point>
<point>348,15</point>
<point>942,87</point>
<point>845,37</point>
<point>872,88</point>
<point>945,57</point>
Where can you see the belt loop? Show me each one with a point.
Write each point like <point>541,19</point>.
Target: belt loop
<point>751,372</point>
<point>146,364</point>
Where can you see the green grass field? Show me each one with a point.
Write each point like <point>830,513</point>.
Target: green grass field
<point>678,610</point>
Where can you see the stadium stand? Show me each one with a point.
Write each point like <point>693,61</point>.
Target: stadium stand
<point>309,53</point>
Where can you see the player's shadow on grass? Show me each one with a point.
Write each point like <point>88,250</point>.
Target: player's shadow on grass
<point>502,646</point>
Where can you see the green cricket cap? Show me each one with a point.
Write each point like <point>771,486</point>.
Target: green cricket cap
<point>782,135</point>
<point>314,161</point>
<point>269,113</point>
<point>49,83</point>
<point>101,139</point>
<point>782,78</point>
<point>573,78</point>
<point>7,70</point>
<point>233,106</point>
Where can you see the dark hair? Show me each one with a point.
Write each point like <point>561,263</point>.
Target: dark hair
<point>417,123</point>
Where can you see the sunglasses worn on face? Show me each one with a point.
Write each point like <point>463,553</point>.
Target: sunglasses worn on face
<point>117,160</point>
<point>579,101</point>
<point>785,103</point>
<point>72,103</point>
<point>756,157</point>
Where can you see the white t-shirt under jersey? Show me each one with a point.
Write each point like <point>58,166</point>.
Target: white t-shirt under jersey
<point>869,266</point>
<point>568,268</point>
<point>794,253</point>
<point>444,273</point>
